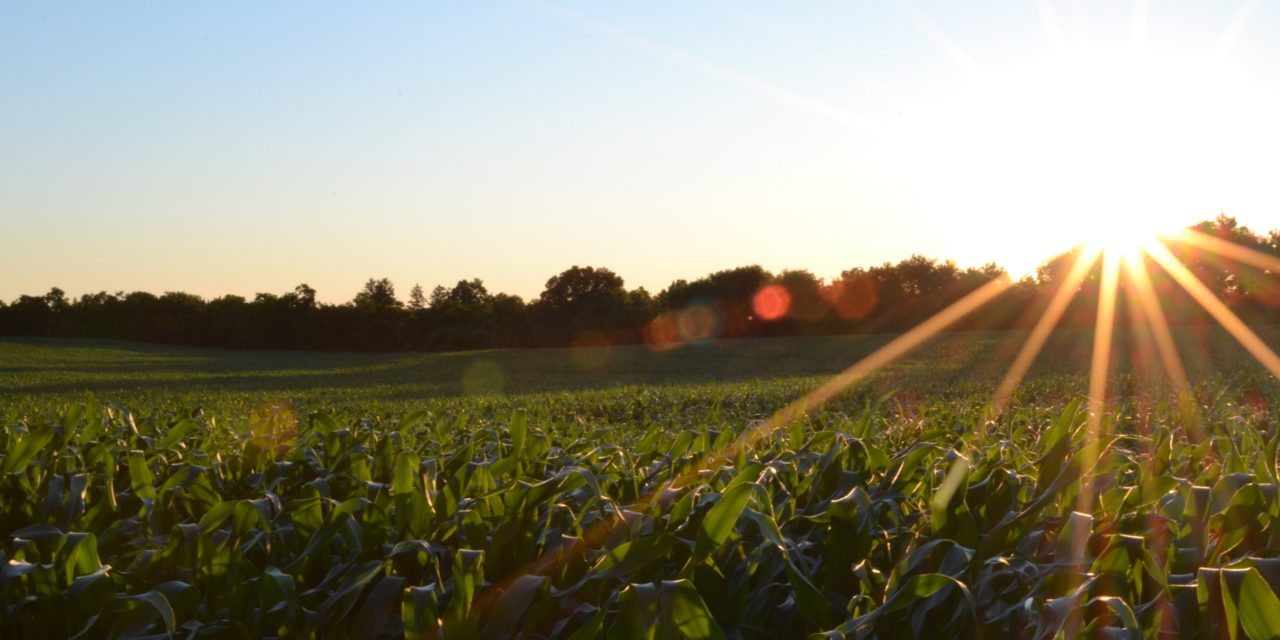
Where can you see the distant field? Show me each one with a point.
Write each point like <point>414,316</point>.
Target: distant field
<point>149,491</point>
<point>62,370</point>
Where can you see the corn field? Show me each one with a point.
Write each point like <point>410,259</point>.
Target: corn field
<point>868,518</point>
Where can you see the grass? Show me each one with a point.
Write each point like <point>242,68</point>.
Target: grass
<point>153,491</point>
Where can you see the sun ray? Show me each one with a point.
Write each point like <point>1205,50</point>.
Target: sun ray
<point>895,349</point>
<point>1220,312</point>
<point>1040,333</point>
<point>1099,367</point>
<point>1138,325</point>
<point>1149,320</point>
<point>1156,321</point>
<point>1224,248</point>
<point>1228,249</point>
<point>1141,354</point>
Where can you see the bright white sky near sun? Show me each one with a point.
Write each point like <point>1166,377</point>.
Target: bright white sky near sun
<point>242,148</point>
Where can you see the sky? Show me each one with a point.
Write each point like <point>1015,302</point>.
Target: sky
<point>249,147</point>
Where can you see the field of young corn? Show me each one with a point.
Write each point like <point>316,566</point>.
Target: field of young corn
<point>898,510</point>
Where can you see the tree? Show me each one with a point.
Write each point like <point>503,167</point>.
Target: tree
<point>30,316</point>
<point>468,293</point>
<point>805,290</point>
<point>305,297</point>
<point>417,300</point>
<point>439,295</point>
<point>57,300</point>
<point>578,285</point>
<point>459,318</point>
<point>580,300</point>
<point>730,287</point>
<point>854,295</point>
<point>377,294</point>
<point>376,318</point>
<point>508,321</point>
<point>729,292</point>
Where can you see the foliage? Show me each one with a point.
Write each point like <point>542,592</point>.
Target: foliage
<point>552,515</point>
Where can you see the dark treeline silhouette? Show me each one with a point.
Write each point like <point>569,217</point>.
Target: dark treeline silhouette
<point>592,306</point>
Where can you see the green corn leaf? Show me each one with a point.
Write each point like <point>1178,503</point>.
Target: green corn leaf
<point>720,520</point>
<point>20,455</point>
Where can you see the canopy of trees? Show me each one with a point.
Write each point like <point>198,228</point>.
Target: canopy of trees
<point>591,305</point>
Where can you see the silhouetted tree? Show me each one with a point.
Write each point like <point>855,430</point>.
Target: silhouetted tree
<point>303,297</point>
<point>377,321</point>
<point>807,307</point>
<point>377,294</point>
<point>580,300</point>
<point>417,300</point>
<point>461,317</point>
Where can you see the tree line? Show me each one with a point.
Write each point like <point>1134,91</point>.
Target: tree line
<point>592,306</point>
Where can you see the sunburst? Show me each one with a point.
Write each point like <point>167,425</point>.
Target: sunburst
<point>1123,248</point>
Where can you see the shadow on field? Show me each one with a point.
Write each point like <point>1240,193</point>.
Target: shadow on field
<point>52,366</point>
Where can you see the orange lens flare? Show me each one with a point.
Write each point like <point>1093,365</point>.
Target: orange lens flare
<point>661,333</point>
<point>771,302</point>
<point>852,297</point>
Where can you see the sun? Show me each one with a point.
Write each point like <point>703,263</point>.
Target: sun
<point>1096,142</point>
<point>1125,239</point>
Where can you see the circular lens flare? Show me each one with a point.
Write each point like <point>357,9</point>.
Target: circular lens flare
<point>771,302</point>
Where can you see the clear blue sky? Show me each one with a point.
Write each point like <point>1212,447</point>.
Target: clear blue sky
<point>236,148</point>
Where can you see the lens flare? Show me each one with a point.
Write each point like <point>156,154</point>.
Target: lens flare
<point>274,426</point>
<point>661,334</point>
<point>483,377</point>
<point>771,302</point>
<point>591,351</point>
<point>852,297</point>
<point>698,323</point>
